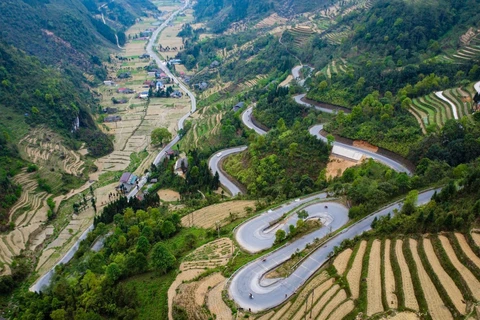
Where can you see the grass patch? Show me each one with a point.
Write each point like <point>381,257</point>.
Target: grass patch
<point>152,294</point>
<point>362,297</point>
<point>397,273</point>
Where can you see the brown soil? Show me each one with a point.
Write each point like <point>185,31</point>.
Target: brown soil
<point>389,278</point>
<point>208,216</point>
<point>408,291</point>
<point>205,285</point>
<point>317,308</point>
<point>318,285</point>
<point>374,281</point>
<point>279,314</point>
<point>333,304</point>
<point>436,307</point>
<point>467,250</point>
<point>353,276</point>
<point>184,276</point>
<point>365,145</point>
<point>446,281</point>
<point>476,238</point>
<point>216,305</point>
<point>342,310</point>
<point>467,275</point>
<point>168,195</point>
<point>336,166</point>
<point>404,316</point>
<point>341,261</point>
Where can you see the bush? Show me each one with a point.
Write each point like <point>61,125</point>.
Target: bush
<point>32,167</point>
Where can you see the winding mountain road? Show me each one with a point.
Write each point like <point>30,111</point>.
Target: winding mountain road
<point>268,293</point>
<point>258,234</point>
<point>214,162</point>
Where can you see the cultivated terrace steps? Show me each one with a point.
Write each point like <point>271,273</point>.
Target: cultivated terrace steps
<point>434,275</point>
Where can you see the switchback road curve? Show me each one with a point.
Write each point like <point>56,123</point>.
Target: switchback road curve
<point>268,293</point>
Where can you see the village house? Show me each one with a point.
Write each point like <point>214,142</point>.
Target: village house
<point>112,119</point>
<point>109,83</point>
<point>110,110</point>
<point>238,106</point>
<point>125,90</point>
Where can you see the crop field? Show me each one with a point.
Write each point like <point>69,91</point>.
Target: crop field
<point>205,126</point>
<point>436,275</point>
<point>195,295</point>
<point>470,50</point>
<point>335,67</point>
<point>301,35</point>
<point>221,212</point>
<point>431,110</point>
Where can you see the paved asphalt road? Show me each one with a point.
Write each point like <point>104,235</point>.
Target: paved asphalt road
<point>298,99</point>
<point>44,281</point>
<point>255,235</point>
<point>397,166</point>
<point>268,293</point>
<point>247,120</point>
<point>213,165</point>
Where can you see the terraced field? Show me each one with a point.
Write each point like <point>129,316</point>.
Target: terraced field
<point>28,215</point>
<point>337,37</point>
<point>335,67</point>
<point>436,275</point>
<point>45,149</point>
<point>432,110</point>
<point>205,125</point>
<point>301,35</point>
<point>469,51</point>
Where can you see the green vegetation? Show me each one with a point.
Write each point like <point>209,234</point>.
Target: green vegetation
<point>160,136</point>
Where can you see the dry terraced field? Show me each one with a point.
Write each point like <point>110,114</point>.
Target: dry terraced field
<point>434,274</point>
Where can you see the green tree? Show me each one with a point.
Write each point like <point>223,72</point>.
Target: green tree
<point>410,203</point>
<point>162,260</point>
<point>280,235</point>
<point>143,245</point>
<point>160,136</point>
<point>113,272</point>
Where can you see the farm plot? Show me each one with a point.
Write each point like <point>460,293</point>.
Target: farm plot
<point>220,212</point>
<point>301,35</point>
<point>45,148</point>
<point>216,305</point>
<point>466,274</point>
<point>194,295</point>
<point>353,275</point>
<point>315,288</point>
<point>374,281</point>
<point>445,279</point>
<point>436,307</point>
<point>469,51</point>
<point>341,261</point>
<point>390,286</point>
<point>211,255</point>
<point>407,285</point>
<point>28,214</point>
<point>430,109</point>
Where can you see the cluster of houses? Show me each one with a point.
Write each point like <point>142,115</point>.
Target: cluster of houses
<point>127,182</point>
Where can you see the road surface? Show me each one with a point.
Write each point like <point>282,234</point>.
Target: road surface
<point>298,99</point>
<point>315,131</point>
<point>247,121</point>
<point>213,164</point>
<point>397,166</point>
<point>268,293</point>
<point>454,108</point>
<point>256,235</point>
<point>44,281</point>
